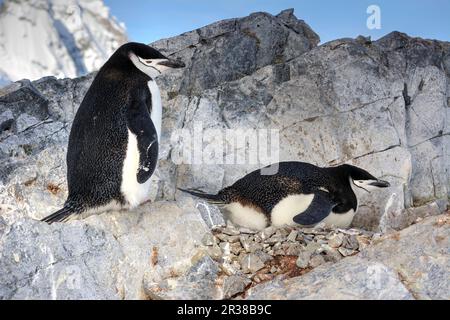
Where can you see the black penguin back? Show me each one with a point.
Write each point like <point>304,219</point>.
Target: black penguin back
<point>98,137</point>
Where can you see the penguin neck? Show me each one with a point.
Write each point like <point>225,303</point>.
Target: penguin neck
<point>355,190</point>
<point>156,111</point>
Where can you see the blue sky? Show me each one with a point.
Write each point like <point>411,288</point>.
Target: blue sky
<point>149,20</point>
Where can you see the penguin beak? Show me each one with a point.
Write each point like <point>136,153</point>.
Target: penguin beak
<point>171,63</point>
<point>380,184</point>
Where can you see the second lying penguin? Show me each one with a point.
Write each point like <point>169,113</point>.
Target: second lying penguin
<point>299,193</point>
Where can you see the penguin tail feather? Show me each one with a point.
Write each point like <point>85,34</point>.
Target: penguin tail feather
<point>61,215</point>
<point>211,198</point>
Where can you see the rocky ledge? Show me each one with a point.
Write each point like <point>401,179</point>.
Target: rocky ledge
<point>382,105</point>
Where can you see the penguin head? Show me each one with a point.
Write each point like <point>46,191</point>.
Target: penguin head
<point>146,59</point>
<point>363,179</point>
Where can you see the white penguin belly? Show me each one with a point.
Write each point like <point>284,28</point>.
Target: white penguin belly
<point>156,113</point>
<point>339,220</point>
<point>246,216</point>
<point>284,211</point>
<point>134,192</point>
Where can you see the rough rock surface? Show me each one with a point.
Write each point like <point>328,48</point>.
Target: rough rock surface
<point>101,257</point>
<point>411,264</point>
<point>382,105</point>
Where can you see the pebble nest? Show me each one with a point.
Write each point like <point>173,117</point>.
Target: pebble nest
<point>249,257</point>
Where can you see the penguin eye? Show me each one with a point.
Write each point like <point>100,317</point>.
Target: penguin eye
<point>146,62</point>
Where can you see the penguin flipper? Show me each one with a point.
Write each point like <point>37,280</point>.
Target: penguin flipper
<point>61,215</point>
<point>140,123</point>
<point>147,160</point>
<point>319,209</point>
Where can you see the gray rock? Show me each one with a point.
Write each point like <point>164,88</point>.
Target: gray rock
<point>41,262</point>
<point>249,245</point>
<point>247,231</point>
<point>275,239</point>
<point>230,231</point>
<point>236,248</point>
<point>225,247</point>
<point>350,242</point>
<point>210,214</point>
<point>214,252</point>
<point>199,283</point>
<point>292,236</point>
<point>293,249</point>
<point>231,268</point>
<point>264,257</point>
<point>251,263</point>
<point>398,220</point>
<point>208,240</point>
<point>336,240</point>
<point>411,264</point>
<point>61,261</point>
<point>357,279</point>
<point>303,259</point>
<point>267,233</point>
<point>420,254</point>
<point>233,239</point>
<point>233,285</point>
<point>237,47</point>
<point>331,254</point>
<point>346,251</point>
<point>316,261</point>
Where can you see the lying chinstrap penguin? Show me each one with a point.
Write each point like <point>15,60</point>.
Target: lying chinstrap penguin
<point>298,194</point>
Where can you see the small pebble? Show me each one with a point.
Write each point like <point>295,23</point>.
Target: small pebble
<point>294,249</point>
<point>258,278</point>
<point>312,247</point>
<point>350,242</point>
<point>233,239</point>
<point>263,256</point>
<point>214,252</point>
<point>208,239</point>
<point>267,232</point>
<point>363,242</point>
<point>303,259</point>
<point>229,268</point>
<point>283,233</point>
<point>230,231</point>
<point>247,231</point>
<point>273,240</point>
<point>335,241</point>
<point>346,252</point>
<point>236,248</point>
<point>222,237</point>
<point>250,263</point>
<point>331,254</point>
<point>225,247</point>
<point>316,261</point>
<point>292,236</point>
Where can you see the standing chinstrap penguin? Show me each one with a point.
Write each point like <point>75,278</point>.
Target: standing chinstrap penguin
<point>298,194</point>
<point>114,140</point>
